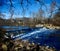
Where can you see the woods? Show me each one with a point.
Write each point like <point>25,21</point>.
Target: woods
<point>45,13</point>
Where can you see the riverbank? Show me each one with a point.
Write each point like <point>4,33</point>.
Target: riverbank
<point>19,45</point>
<point>49,26</point>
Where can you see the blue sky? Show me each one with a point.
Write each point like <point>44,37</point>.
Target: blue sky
<point>18,10</point>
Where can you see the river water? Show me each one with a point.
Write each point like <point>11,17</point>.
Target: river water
<point>41,35</point>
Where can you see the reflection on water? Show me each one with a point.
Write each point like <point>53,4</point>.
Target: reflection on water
<point>42,36</point>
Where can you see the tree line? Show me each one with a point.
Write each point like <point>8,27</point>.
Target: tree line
<point>52,11</point>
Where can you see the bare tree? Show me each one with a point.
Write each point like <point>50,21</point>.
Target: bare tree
<point>11,10</point>
<point>56,18</point>
<point>52,7</point>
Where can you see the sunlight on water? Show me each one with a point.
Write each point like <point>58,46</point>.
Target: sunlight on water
<point>21,36</point>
